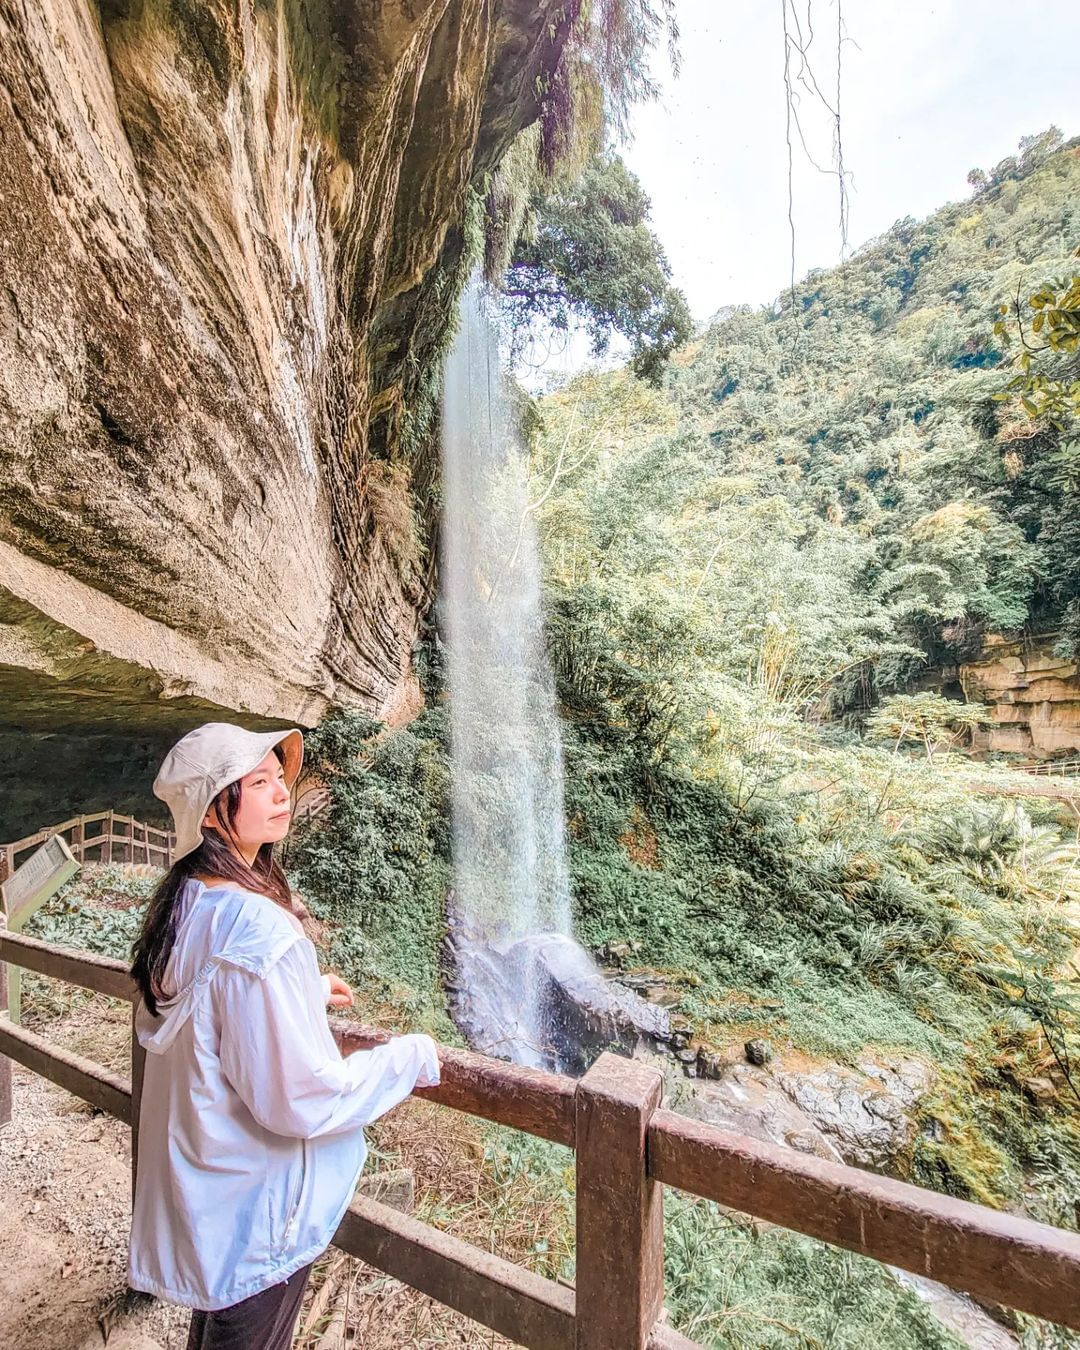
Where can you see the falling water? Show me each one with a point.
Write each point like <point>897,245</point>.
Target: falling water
<point>524,988</point>
<point>509,848</point>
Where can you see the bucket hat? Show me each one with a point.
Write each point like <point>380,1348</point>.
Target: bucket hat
<point>208,759</point>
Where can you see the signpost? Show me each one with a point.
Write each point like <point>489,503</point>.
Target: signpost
<point>39,877</point>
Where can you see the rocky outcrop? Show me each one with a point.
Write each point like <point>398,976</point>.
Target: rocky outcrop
<point>579,1013</point>
<point>1034,696</point>
<point>232,236</point>
<point>866,1116</point>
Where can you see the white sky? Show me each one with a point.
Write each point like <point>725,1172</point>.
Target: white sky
<point>929,91</point>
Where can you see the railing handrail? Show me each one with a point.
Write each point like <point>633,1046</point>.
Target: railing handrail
<point>39,836</point>
<point>1063,768</point>
<point>140,838</point>
<point>1027,1265</point>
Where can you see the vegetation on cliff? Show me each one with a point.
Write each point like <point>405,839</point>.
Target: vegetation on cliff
<point>821,503</point>
<point>585,255</point>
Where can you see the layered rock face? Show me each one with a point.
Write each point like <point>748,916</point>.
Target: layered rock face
<point>1034,696</point>
<point>232,235</point>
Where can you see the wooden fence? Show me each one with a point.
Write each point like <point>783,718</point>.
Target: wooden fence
<point>1051,768</point>
<point>628,1147</point>
<point>120,838</point>
<point>112,836</point>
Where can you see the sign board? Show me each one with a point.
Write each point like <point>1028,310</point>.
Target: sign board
<point>26,890</point>
<point>40,876</point>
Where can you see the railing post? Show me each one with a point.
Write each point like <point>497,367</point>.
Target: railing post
<point>5,1062</point>
<point>78,835</point>
<point>138,1064</point>
<point>620,1214</point>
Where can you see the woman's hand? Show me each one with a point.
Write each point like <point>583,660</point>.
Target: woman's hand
<point>341,996</point>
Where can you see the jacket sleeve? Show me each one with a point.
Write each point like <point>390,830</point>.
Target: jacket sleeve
<point>285,1066</point>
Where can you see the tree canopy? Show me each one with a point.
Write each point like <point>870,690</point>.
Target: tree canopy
<point>590,258</point>
<point>832,496</point>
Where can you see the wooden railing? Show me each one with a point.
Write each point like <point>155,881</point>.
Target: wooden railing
<point>1051,768</point>
<point>114,837</point>
<point>628,1147</point>
<point>120,838</point>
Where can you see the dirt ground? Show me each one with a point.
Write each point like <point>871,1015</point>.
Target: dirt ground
<point>65,1195</point>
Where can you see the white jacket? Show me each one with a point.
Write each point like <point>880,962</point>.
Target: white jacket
<point>250,1139</point>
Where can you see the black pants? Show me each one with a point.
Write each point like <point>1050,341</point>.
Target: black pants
<point>265,1321</point>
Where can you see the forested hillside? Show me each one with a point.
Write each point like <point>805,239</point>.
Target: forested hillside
<point>822,504</point>
<point>830,484</point>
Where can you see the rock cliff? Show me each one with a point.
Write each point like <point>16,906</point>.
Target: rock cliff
<point>1033,694</point>
<point>233,234</point>
<point>229,233</point>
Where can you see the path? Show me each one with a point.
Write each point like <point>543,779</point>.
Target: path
<point>65,1196</point>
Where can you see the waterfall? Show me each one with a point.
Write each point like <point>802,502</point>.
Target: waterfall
<point>510,870</point>
<point>523,988</point>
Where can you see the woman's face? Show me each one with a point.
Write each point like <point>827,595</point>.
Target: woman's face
<point>264,814</point>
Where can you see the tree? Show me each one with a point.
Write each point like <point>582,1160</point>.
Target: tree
<point>1052,392</point>
<point>1034,150</point>
<point>927,719</point>
<point>590,258</point>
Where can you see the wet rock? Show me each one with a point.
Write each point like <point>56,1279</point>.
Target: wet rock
<point>758,1052</point>
<point>748,1100</point>
<point>651,986</point>
<point>581,1013</point>
<point>809,1141</point>
<point>711,1064</point>
<point>867,1113</point>
<point>864,1116</point>
<point>970,1323</point>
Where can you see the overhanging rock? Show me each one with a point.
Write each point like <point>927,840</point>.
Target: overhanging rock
<point>231,235</point>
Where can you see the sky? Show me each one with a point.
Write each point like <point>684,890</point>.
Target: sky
<point>928,91</point>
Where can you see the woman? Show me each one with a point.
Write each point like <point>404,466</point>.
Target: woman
<point>250,1132</point>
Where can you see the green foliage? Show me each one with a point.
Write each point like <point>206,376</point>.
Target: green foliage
<point>852,450</point>
<point>1034,152</point>
<point>1056,320</point>
<point>590,257</point>
<point>1030,989</point>
<point>603,73</point>
<point>375,865</point>
<point>926,719</point>
<point>730,1283</point>
<point>99,910</point>
<point>833,919</point>
<point>812,510</point>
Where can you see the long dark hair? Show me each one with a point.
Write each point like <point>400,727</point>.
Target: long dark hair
<point>214,858</point>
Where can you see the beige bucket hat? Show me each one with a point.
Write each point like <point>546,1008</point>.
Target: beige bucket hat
<point>209,759</point>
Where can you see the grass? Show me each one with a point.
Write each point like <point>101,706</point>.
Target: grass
<point>732,1282</point>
